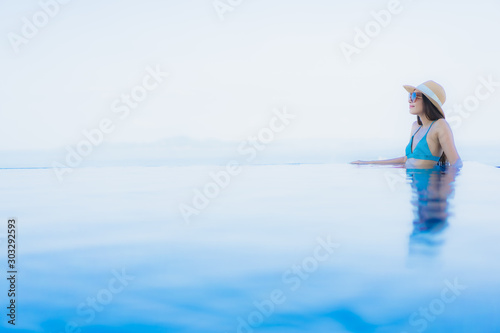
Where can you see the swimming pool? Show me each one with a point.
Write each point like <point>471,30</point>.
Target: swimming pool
<point>276,248</point>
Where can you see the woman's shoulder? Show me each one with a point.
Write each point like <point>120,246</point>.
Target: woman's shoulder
<point>442,123</point>
<point>442,129</point>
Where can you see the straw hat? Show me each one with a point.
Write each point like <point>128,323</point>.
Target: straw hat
<point>433,91</point>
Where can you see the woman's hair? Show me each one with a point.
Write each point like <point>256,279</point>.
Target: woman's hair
<point>432,112</point>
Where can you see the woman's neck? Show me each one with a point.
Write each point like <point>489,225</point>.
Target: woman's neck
<point>425,122</point>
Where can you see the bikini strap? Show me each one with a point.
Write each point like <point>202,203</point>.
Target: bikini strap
<point>429,127</point>
<point>416,131</point>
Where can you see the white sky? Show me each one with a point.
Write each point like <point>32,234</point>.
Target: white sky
<point>227,76</point>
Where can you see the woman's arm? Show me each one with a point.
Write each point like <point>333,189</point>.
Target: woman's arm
<point>397,160</point>
<point>445,137</point>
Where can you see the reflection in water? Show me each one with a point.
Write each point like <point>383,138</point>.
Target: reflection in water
<point>431,190</point>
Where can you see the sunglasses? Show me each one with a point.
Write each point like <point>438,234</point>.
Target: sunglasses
<point>414,96</point>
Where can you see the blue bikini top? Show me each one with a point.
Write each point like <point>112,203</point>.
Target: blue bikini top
<point>422,151</point>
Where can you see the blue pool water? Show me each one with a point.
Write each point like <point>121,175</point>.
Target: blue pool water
<point>274,248</point>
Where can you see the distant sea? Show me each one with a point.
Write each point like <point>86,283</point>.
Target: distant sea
<point>180,151</point>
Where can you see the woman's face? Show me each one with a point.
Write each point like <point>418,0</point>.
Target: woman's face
<point>417,107</point>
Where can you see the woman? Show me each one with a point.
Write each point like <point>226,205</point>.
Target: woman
<point>432,141</point>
